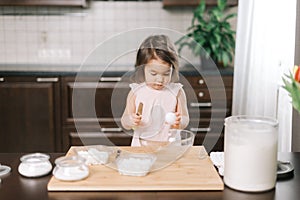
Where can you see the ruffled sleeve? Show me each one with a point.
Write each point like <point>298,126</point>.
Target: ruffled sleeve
<point>135,86</point>
<point>174,88</point>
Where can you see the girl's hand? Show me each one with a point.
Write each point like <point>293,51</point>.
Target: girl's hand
<point>176,124</point>
<point>135,119</point>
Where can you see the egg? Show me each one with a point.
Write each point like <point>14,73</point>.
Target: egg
<point>170,118</point>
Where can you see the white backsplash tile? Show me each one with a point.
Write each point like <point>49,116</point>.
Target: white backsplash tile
<point>78,31</point>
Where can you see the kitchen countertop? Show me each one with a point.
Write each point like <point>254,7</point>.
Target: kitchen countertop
<point>14,186</point>
<point>73,70</point>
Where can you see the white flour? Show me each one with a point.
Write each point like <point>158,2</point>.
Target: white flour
<point>134,166</point>
<point>35,167</point>
<point>71,168</point>
<point>70,173</point>
<point>94,156</point>
<point>250,158</point>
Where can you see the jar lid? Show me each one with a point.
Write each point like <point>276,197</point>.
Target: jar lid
<point>4,170</point>
<point>34,158</point>
<point>69,161</point>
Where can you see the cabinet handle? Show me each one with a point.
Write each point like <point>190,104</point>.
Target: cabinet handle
<point>86,135</point>
<point>95,135</point>
<point>1,79</point>
<point>201,94</point>
<point>193,104</point>
<point>201,81</point>
<point>111,129</point>
<point>200,129</point>
<point>110,79</point>
<point>43,80</point>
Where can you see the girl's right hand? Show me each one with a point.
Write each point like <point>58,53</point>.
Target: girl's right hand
<point>135,119</point>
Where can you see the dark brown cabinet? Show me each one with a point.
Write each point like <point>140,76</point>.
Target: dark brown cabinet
<point>92,110</point>
<point>81,3</point>
<point>209,98</point>
<point>51,113</point>
<point>30,114</point>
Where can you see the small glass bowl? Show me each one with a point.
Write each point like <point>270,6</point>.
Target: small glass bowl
<point>35,165</point>
<point>70,168</point>
<point>96,154</point>
<point>135,164</point>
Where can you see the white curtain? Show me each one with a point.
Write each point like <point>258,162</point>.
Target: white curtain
<point>265,43</point>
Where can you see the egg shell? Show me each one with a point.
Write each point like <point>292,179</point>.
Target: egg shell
<point>170,118</point>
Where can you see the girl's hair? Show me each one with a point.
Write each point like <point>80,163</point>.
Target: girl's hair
<point>156,47</point>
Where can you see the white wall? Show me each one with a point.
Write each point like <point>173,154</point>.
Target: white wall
<point>67,35</point>
<point>54,35</point>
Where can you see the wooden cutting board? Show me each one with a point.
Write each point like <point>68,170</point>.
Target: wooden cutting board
<point>187,173</point>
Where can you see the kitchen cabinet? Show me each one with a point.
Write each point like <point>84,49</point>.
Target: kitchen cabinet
<point>98,124</point>
<point>49,112</point>
<point>206,113</point>
<point>81,3</point>
<point>30,114</point>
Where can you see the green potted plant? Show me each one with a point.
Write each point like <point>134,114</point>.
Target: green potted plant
<point>210,30</point>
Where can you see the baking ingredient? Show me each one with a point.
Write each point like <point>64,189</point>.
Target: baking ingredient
<point>70,173</point>
<point>35,165</point>
<point>250,161</point>
<point>137,165</point>
<point>71,168</point>
<point>170,118</point>
<point>157,139</point>
<point>94,156</point>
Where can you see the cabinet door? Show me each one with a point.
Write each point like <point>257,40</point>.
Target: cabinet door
<point>87,101</point>
<point>207,116</point>
<point>92,110</point>
<point>94,136</point>
<point>29,120</point>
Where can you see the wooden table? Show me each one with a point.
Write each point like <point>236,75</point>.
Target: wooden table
<point>15,186</point>
<point>189,173</point>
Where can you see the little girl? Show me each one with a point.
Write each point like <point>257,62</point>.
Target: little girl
<point>156,90</point>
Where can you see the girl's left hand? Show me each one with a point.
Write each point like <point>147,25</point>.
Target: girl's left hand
<point>176,124</point>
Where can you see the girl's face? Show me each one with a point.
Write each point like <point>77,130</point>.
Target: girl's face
<point>157,74</point>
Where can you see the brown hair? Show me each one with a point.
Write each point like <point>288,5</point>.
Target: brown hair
<point>154,47</point>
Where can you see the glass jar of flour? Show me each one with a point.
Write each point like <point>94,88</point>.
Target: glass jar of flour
<point>70,168</point>
<point>250,148</point>
<point>35,165</point>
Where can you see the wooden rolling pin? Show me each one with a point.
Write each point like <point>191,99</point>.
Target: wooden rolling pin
<point>140,109</point>
<point>139,112</point>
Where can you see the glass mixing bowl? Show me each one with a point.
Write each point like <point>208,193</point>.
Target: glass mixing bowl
<point>177,138</point>
<point>167,152</point>
<point>153,155</point>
